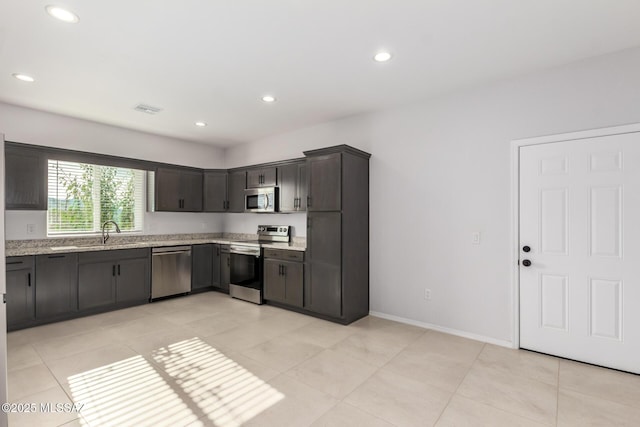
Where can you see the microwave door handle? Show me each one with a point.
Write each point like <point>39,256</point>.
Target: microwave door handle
<point>266,199</point>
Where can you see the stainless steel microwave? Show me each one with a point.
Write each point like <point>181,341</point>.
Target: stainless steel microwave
<point>261,199</point>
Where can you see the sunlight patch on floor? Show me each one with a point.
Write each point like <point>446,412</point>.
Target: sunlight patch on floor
<point>203,382</point>
<point>128,393</point>
<point>226,392</point>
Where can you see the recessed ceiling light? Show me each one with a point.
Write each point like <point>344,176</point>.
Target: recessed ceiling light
<point>382,57</point>
<point>200,124</point>
<point>24,77</point>
<point>268,98</point>
<point>62,14</point>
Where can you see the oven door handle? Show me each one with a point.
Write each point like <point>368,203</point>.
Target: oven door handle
<point>244,252</point>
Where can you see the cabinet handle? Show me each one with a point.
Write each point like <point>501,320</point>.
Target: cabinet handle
<point>308,201</point>
<point>56,256</point>
<point>118,269</point>
<point>279,269</point>
<point>295,203</point>
<point>29,279</point>
<point>229,262</point>
<point>113,270</point>
<point>284,270</point>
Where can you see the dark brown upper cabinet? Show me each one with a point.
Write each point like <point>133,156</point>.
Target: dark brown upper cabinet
<point>237,184</point>
<point>215,191</point>
<point>178,190</point>
<point>25,179</point>
<point>325,183</point>
<point>293,187</point>
<point>262,177</point>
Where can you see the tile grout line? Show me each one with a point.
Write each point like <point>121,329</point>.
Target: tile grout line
<point>378,369</point>
<point>459,384</point>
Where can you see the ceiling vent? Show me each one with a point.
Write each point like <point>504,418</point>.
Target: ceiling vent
<point>144,108</point>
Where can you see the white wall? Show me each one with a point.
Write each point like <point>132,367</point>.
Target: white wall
<point>154,223</point>
<point>440,170</point>
<point>40,128</point>
<point>248,222</point>
<point>37,127</point>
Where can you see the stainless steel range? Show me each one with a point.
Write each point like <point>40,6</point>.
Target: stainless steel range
<point>246,262</point>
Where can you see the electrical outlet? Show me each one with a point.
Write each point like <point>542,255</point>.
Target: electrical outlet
<point>427,294</point>
<point>475,238</point>
<point>31,228</point>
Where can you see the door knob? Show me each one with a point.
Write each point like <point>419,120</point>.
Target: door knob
<point>526,249</point>
<point>526,262</point>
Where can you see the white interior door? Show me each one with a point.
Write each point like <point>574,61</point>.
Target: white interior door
<point>580,217</point>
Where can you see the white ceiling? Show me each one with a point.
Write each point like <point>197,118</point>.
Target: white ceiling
<point>213,60</point>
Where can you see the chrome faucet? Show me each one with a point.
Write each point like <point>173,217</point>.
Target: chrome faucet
<point>105,236</point>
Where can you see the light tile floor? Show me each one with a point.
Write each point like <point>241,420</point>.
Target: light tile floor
<point>209,360</point>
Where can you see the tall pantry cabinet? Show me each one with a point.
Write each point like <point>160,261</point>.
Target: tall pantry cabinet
<point>337,265</point>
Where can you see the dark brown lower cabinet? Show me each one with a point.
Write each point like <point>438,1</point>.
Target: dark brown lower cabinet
<point>225,268</point>
<point>110,278</point>
<point>57,286</point>
<point>323,293</point>
<point>21,309</point>
<point>216,259</point>
<point>98,281</point>
<point>202,266</point>
<point>284,277</point>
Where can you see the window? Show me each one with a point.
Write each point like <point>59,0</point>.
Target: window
<point>83,196</point>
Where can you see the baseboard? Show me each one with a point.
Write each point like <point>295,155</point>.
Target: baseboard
<point>464,334</point>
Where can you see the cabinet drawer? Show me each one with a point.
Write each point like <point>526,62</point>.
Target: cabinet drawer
<point>112,255</point>
<point>19,262</point>
<point>284,254</point>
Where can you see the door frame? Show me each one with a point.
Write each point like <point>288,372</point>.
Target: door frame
<point>515,203</point>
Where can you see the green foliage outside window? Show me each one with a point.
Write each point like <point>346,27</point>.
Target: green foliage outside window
<point>88,195</point>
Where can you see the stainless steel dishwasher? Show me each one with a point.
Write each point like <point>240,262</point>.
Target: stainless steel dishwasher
<point>171,271</point>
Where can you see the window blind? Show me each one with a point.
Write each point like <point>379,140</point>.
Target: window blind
<point>83,196</point>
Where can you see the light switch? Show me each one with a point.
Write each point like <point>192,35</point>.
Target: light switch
<point>475,238</point>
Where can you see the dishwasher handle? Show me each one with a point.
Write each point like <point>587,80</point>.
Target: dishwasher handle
<point>171,249</point>
<point>171,253</point>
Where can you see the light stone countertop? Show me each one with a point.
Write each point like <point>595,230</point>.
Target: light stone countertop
<point>92,244</point>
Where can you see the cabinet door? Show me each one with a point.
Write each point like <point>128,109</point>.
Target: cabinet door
<point>96,284</point>
<point>133,281</point>
<point>26,179</point>
<point>254,178</point>
<point>294,280</point>
<point>202,268</point>
<point>20,297</point>
<point>269,177</point>
<point>237,183</point>
<point>302,187</point>
<point>324,174</point>
<point>215,191</point>
<point>225,270</point>
<point>57,285</point>
<point>168,197</point>
<point>274,284</point>
<point>323,287</point>
<point>288,187</point>
<point>265,177</point>
<point>191,191</point>
<point>215,266</point>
